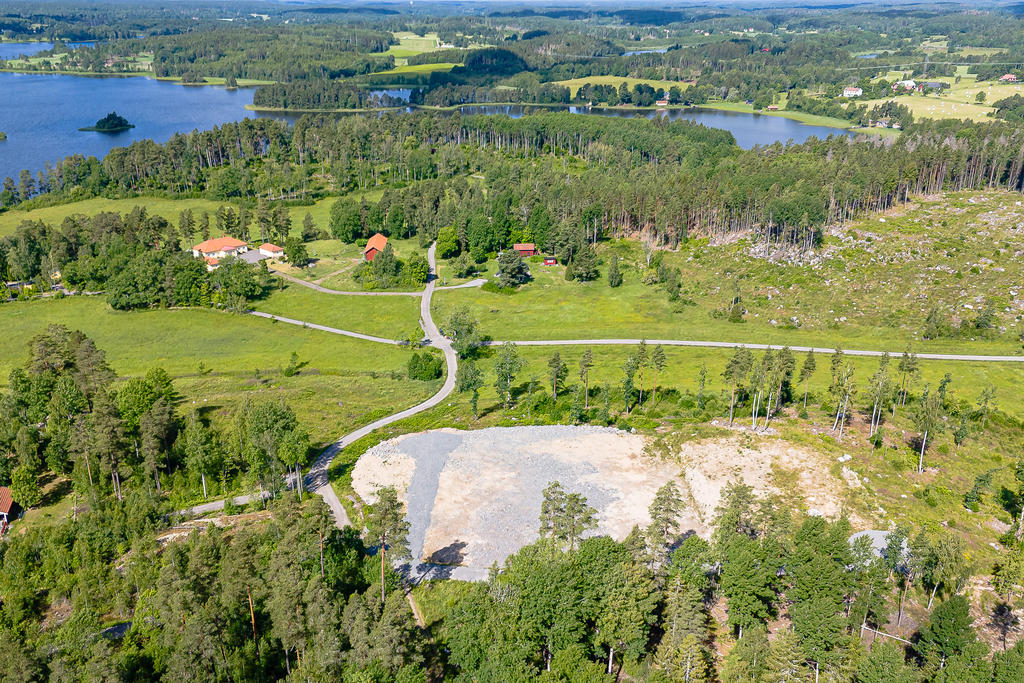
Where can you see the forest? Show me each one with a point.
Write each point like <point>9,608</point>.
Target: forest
<point>625,180</point>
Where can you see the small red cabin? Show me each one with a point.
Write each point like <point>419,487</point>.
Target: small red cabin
<point>550,261</point>
<point>525,249</point>
<point>374,246</point>
<point>5,507</point>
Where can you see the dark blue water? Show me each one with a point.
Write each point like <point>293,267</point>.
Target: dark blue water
<point>41,114</point>
<point>15,50</point>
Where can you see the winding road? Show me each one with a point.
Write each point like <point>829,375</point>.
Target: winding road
<point>317,480</point>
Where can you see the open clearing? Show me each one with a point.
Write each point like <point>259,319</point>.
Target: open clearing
<point>871,285</point>
<point>574,84</point>
<point>473,498</point>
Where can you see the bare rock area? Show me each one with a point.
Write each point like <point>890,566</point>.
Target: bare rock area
<point>473,497</point>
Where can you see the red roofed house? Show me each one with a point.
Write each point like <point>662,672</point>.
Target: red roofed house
<point>6,503</point>
<point>271,250</point>
<point>1008,78</point>
<point>374,246</point>
<point>219,247</point>
<point>525,249</point>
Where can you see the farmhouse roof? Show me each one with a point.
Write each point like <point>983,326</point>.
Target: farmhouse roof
<point>378,242</point>
<point>218,244</point>
<point>524,246</point>
<point>5,500</point>
<point>267,246</point>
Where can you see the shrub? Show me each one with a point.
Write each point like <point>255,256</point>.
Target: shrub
<point>425,366</point>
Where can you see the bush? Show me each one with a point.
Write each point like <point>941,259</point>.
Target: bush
<point>495,288</point>
<point>425,366</point>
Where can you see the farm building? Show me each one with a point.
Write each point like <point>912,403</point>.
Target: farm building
<point>525,249</point>
<point>271,250</point>
<point>374,246</point>
<point>663,102</point>
<point>1008,78</point>
<point>550,261</point>
<point>6,503</point>
<point>852,91</point>
<point>772,107</point>
<point>905,85</point>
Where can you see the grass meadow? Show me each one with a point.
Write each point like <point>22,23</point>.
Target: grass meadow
<point>870,286</point>
<point>218,359</point>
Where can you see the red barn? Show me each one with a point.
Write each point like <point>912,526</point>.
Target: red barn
<point>550,261</point>
<point>525,249</point>
<point>374,246</point>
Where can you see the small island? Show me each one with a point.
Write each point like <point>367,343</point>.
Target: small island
<point>3,136</point>
<point>111,123</point>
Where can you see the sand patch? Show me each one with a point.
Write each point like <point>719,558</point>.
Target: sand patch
<point>709,466</point>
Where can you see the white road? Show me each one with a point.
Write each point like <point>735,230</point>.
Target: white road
<point>732,345</point>
<point>317,479</point>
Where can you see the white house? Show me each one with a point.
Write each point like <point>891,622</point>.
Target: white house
<point>852,91</point>
<point>271,250</point>
<point>219,248</point>
<point>213,250</point>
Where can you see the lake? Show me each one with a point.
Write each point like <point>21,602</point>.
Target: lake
<point>15,50</point>
<point>42,113</point>
<point>748,129</point>
<point>652,51</point>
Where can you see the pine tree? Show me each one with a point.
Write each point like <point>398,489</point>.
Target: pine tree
<point>506,368</point>
<point>806,372</point>
<point>664,527</point>
<point>387,527</point>
<point>557,371</point>
<point>786,662</point>
<point>947,632</point>
<point>885,663</point>
<point>660,362</point>
<point>747,660</point>
<point>614,274</point>
<point>586,363</point>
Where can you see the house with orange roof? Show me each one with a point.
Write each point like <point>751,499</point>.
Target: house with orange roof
<point>271,250</point>
<point>374,246</point>
<point>213,250</point>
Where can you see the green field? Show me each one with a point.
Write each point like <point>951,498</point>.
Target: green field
<point>334,262</point>
<point>574,84</point>
<point>870,286</point>
<point>958,101</point>
<point>381,316</point>
<point>344,382</point>
<point>416,69</point>
<point>170,209</point>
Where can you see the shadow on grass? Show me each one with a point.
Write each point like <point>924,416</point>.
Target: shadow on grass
<point>56,492</point>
